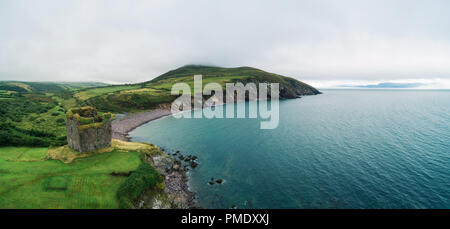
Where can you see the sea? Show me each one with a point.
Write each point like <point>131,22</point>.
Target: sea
<point>343,149</point>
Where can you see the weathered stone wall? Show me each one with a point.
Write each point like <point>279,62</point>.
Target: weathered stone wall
<point>95,138</point>
<point>88,139</point>
<point>73,138</point>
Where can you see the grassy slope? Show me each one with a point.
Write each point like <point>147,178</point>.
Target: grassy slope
<point>150,94</point>
<point>28,180</point>
<point>289,87</point>
<point>87,94</point>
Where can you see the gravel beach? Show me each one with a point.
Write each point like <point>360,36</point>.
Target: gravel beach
<point>121,127</point>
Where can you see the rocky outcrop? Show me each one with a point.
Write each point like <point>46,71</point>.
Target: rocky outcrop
<point>175,180</point>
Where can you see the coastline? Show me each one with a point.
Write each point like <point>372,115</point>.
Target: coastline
<point>121,127</point>
<point>176,179</point>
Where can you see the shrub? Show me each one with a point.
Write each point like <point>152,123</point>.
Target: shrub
<point>10,135</point>
<point>60,120</point>
<point>143,178</point>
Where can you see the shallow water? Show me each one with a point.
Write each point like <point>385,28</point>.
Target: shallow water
<point>341,149</point>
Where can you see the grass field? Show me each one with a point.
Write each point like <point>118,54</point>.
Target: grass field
<point>22,85</point>
<point>133,100</point>
<point>89,93</point>
<point>166,84</point>
<point>28,180</point>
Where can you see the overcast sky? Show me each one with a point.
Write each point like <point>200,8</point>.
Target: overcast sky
<point>321,42</point>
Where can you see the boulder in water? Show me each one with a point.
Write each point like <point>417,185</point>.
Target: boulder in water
<point>194,164</point>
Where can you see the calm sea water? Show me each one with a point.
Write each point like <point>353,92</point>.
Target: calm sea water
<point>341,149</point>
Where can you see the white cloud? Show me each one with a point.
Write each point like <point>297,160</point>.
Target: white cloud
<point>122,41</point>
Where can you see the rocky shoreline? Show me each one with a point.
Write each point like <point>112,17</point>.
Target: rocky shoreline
<point>172,167</point>
<point>175,177</point>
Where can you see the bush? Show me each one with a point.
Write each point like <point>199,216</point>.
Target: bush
<point>55,114</point>
<point>10,135</point>
<point>143,178</point>
<point>60,120</point>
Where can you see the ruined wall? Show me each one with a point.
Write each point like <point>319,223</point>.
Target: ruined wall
<point>87,137</point>
<point>73,138</point>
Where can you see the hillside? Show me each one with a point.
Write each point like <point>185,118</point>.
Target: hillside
<point>150,94</point>
<point>289,87</point>
<point>33,113</point>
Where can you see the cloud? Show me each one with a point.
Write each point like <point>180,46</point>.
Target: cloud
<point>121,41</point>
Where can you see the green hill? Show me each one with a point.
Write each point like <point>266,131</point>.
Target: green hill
<point>45,87</point>
<point>289,87</point>
<point>150,94</point>
<point>33,113</point>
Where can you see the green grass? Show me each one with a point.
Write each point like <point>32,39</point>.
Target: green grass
<point>45,122</point>
<point>166,84</point>
<point>41,87</point>
<point>134,100</point>
<point>57,183</point>
<point>7,94</point>
<point>141,99</point>
<point>26,87</point>
<point>89,93</point>
<point>29,181</point>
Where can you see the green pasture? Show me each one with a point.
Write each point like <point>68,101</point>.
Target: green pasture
<point>28,180</point>
<point>93,92</point>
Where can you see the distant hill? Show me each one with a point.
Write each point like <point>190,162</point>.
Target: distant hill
<point>387,85</point>
<point>150,94</point>
<point>289,87</point>
<point>37,87</point>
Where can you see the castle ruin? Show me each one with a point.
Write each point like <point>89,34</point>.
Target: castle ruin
<point>86,130</point>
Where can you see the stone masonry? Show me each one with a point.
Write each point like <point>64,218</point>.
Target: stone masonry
<point>86,130</point>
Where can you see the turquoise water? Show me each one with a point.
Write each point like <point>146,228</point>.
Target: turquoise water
<point>341,149</point>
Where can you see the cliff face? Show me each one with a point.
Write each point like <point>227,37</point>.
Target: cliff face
<point>86,131</point>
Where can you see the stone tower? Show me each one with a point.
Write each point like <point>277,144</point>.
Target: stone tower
<point>86,130</point>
